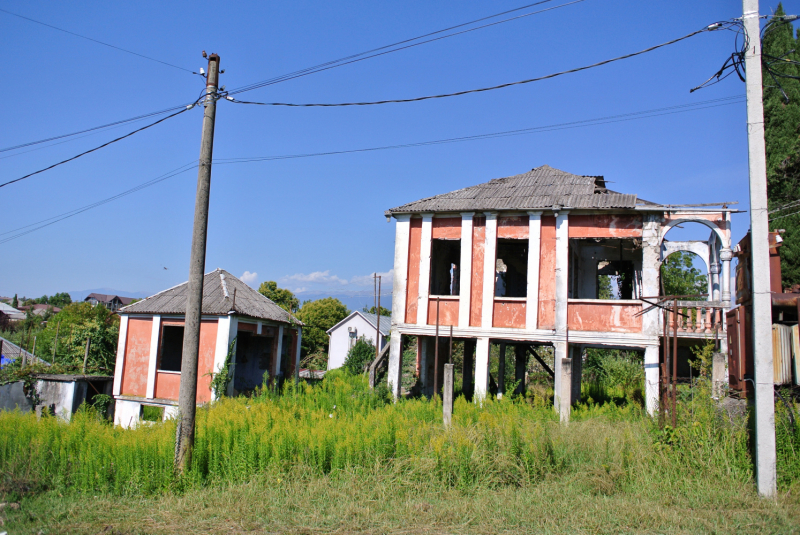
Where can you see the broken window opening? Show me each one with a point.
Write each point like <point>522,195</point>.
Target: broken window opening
<point>171,348</point>
<point>253,361</point>
<point>605,268</point>
<point>511,268</point>
<point>445,260</point>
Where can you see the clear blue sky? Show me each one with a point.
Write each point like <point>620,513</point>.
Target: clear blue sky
<point>317,223</point>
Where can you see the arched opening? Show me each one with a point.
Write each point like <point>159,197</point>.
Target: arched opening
<point>690,259</point>
<point>680,275</point>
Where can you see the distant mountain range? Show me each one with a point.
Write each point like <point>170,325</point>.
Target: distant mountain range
<point>353,300</point>
<point>80,295</point>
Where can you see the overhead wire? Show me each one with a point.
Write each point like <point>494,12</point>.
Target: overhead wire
<point>644,114</point>
<point>106,144</point>
<point>227,96</point>
<point>383,49</point>
<point>785,215</point>
<point>96,41</point>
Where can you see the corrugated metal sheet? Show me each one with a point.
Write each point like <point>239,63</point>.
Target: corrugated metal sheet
<point>222,293</point>
<point>539,188</point>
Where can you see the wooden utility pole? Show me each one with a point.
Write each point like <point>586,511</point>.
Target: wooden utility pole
<point>187,399</point>
<point>765,455</point>
<point>86,353</point>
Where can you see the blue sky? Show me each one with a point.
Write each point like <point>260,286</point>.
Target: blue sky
<point>316,224</point>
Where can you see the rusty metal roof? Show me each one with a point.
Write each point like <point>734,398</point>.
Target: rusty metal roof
<point>222,294</point>
<point>542,187</point>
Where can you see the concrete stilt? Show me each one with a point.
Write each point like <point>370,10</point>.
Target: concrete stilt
<point>447,394</point>
<point>651,379</point>
<point>395,373</point>
<point>566,390</point>
<point>481,369</point>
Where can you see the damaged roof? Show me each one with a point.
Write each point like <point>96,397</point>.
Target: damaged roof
<point>222,294</point>
<point>539,188</point>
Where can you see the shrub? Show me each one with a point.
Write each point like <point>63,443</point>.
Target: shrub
<point>360,356</point>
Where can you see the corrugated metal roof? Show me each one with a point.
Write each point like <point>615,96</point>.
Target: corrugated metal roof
<point>222,293</point>
<point>542,187</point>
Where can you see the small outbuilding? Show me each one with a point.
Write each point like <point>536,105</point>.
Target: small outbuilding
<point>344,335</point>
<point>264,341</point>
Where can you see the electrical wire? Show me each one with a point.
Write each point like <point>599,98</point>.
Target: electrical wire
<point>22,231</point>
<point>680,108</point>
<point>129,134</point>
<point>785,215</point>
<point>480,90</point>
<point>96,41</point>
<point>380,51</point>
<point>791,204</point>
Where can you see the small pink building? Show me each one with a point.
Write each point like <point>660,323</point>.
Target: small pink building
<point>265,340</point>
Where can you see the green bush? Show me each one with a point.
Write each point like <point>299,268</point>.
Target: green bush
<point>360,356</point>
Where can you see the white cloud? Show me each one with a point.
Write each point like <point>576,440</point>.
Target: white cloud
<point>251,279</point>
<point>300,290</point>
<point>316,277</point>
<point>387,278</point>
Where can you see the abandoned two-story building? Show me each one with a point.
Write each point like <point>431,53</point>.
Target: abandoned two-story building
<point>262,339</point>
<point>518,261</point>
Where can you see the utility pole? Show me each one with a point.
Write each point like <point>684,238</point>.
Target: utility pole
<point>187,399</point>
<point>766,476</point>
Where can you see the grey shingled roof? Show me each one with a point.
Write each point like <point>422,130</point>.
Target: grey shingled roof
<point>542,187</point>
<point>219,290</point>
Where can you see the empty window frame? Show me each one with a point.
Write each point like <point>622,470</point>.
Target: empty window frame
<point>445,260</point>
<point>171,348</point>
<point>605,268</point>
<point>511,268</point>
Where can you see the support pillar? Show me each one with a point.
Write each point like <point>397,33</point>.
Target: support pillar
<point>566,390</point>
<point>395,373</point>
<point>402,228</point>
<point>534,256</point>
<point>465,270</point>
<point>561,397</point>
<point>651,379</point>
<point>725,256</point>
<point>424,269</point>
<point>489,269</point>
<point>714,272</point>
<point>481,369</point>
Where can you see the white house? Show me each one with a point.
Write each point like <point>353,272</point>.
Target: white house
<point>344,334</point>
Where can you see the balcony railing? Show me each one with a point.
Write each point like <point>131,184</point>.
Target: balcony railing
<point>699,317</point>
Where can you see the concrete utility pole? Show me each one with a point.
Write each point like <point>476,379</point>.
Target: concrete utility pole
<point>766,477</point>
<point>187,400</point>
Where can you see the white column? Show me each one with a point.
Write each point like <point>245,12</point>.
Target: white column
<point>651,379</point>
<point>233,329</point>
<point>651,271</point>
<point>465,281</point>
<point>534,256</point>
<point>481,369</point>
<point>725,256</point>
<point>400,272</point>
<point>489,267</point>
<point>424,269</point>
<point>120,366</point>
<point>151,368</point>
<point>562,292</point>
<point>395,374</point>
<point>279,350</point>
<point>297,355</point>
<point>221,347</point>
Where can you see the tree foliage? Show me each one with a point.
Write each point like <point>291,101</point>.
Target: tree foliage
<point>59,300</point>
<point>781,123</point>
<point>75,323</point>
<point>360,356</point>
<point>319,316</point>
<point>371,310</point>
<point>280,296</point>
<point>680,277</point>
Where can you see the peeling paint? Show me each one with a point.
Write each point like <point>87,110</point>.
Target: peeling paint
<point>513,227</point>
<point>604,317</point>
<point>446,228</point>
<point>448,312</point>
<point>412,295</point>
<point>508,313</point>
<point>476,288</point>
<point>547,274</point>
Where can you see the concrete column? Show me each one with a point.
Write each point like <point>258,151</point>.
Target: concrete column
<point>447,394</point>
<point>564,404</point>
<point>725,256</point>
<point>713,271</point>
<point>424,269</point>
<point>468,385</point>
<point>120,367</point>
<point>489,267</point>
<point>562,293</point>
<point>481,369</point>
<point>155,338</point>
<point>651,379</point>
<point>465,281</point>
<point>395,373</point>
<point>221,346</point>
<point>534,256</point>
<point>719,374</point>
<point>400,279</point>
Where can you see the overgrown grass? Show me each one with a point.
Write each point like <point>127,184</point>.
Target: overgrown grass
<point>339,434</point>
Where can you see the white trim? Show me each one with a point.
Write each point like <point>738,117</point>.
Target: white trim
<point>465,281</point>
<point>489,265</point>
<point>517,299</point>
<point>221,346</point>
<point>278,351</point>
<point>297,354</point>
<point>155,338</point>
<point>534,257</point>
<point>481,369</point>
<point>605,301</point>
<point>121,344</point>
<point>424,269</point>
<point>400,280</point>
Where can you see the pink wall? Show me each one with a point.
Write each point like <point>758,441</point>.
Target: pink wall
<point>412,292</point>
<point>547,274</point>
<point>137,357</point>
<point>513,227</point>
<point>509,313</point>
<point>605,226</point>
<point>476,287</point>
<point>446,228</point>
<point>604,317</point>
<point>168,384</point>
<point>448,312</point>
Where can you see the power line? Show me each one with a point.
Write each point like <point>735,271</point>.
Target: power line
<point>383,49</point>
<point>680,108</point>
<point>791,204</point>
<point>96,41</point>
<point>491,88</point>
<point>187,108</point>
<point>22,231</point>
<point>785,215</point>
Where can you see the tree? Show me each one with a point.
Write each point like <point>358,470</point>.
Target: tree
<point>15,301</point>
<point>680,277</point>
<point>371,310</point>
<point>280,296</point>
<point>75,323</point>
<point>59,300</point>
<point>360,356</point>
<point>319,316</point>
<point>781,122</point>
